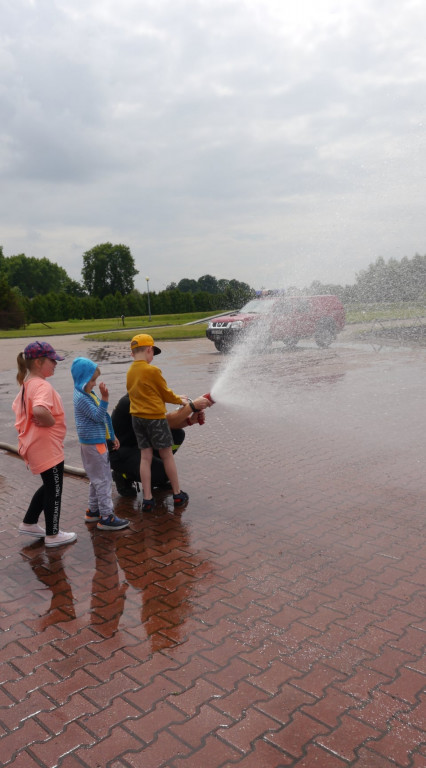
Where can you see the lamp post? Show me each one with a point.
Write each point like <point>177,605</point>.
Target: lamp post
<point>149,302</point>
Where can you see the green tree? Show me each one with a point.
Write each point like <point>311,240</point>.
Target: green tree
<point>204,302</point>
<point>378,283</point>
<point>74,288</point>
<point>39,310</point>
<point>135,303</point>
<point>113,306</point>
<point>181,302</point>
<point>227,293</point>
<point>12,313</point>
<point>71,307</point>
<point>235,293</point>
<point>187,286</point>
<point>108,269</point>
<point>208,283</point>
<point>34,276</point>
<point>320,289</point>
<point>54,307</point>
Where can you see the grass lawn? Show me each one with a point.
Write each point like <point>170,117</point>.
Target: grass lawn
<point>160,333</point>
<point>191,325</point>
<point>166,326</point>
<point>365,313</point>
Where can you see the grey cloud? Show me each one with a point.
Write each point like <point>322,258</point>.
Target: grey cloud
<point>196,130</point>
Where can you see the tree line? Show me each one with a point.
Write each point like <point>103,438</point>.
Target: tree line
<point>383,281</point>
<point>38,290</point>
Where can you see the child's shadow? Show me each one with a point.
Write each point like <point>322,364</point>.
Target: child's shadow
<point>48,567</point>
<point>108,593</point>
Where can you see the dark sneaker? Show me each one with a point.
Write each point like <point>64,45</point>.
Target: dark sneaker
<point>92,517</point>
<point>124,487</point>
<point>112,523</point>
<point>179,499</point>
<point>148,505</point>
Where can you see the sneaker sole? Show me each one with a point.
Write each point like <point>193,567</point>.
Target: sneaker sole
<point>34,535</point>
<point>112,527</point>
<point>92,519</point>
<point>60,543</point>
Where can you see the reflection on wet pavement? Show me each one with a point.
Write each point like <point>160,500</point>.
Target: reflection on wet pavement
<point>135,582</point>
<point>277,620</point>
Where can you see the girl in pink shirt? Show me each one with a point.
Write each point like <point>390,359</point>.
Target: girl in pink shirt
<point>40,421</point>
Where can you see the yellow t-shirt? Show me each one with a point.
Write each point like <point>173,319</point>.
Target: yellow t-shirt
<point>148,391</point>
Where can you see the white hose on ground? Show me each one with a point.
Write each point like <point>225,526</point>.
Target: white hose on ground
<point>67,468</point>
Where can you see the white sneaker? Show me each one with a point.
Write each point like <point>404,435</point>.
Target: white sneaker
<point>62,537</point>
<point>32,530</point>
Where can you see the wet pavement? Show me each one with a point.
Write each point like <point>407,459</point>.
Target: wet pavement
<point>279,620</point>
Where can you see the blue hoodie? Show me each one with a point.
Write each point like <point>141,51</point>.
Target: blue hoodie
<point>92,419</point>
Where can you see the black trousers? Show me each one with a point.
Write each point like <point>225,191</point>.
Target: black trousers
<point>47,499</point>
<point>126,461</point>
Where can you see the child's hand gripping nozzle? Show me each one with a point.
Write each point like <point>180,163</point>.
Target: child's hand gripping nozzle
<point>201,417</point>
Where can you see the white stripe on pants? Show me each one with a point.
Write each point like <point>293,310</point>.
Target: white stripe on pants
<point>98,471</point>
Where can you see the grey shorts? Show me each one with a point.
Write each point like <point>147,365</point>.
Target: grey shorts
<point>152,433</point>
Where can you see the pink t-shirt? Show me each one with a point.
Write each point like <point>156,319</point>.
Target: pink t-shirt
<point>40,447</point>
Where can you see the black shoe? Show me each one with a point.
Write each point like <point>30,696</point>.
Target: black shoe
<point>124,487</point>
<point>148,505</point>
<point>181,498</point>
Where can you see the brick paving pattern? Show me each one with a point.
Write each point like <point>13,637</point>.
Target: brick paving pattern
<point>279,620</point>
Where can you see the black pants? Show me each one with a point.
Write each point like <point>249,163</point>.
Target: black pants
<point>48,499</point>
<point>126,461</point>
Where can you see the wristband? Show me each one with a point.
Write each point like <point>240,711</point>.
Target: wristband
<point>192,406</point>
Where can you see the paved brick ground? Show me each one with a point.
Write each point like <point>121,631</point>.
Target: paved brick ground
<point>278,621</point>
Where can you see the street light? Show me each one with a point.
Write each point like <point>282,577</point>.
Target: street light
<point>149,302</point>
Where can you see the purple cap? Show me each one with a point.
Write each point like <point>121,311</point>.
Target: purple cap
<point>41,349</point>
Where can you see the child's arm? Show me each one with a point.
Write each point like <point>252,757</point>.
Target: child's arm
<point>112,435</point>
<point>103,389</point>
<point>42,417</point>
<point>88,409</point>
<point>42,405</point>
<point>167,395</point>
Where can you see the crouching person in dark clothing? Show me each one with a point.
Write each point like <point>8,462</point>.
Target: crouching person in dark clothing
<point>125,462</point>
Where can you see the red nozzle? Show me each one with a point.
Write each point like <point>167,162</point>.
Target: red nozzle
<point>209,397</point>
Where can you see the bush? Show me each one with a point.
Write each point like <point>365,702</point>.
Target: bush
<point>12,319</point>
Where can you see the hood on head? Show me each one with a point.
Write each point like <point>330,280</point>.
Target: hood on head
<point>82,370</point>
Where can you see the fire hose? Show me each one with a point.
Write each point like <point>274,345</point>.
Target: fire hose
<point>77,471</point>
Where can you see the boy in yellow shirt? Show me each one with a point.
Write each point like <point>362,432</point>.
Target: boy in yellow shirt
<point>148,393</point>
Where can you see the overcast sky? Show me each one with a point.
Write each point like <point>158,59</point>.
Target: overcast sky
<point>271,141</point>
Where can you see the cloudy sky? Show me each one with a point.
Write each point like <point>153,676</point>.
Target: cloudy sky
<point>271,141</point>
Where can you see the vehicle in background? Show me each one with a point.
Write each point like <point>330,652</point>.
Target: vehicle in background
<point>283,318</point>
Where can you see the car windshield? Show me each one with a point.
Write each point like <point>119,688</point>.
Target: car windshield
<point>258,306</point>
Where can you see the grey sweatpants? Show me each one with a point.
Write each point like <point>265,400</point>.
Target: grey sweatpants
<point>98,471</point>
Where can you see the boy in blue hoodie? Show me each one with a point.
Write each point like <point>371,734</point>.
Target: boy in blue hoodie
<point>94,428</point>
